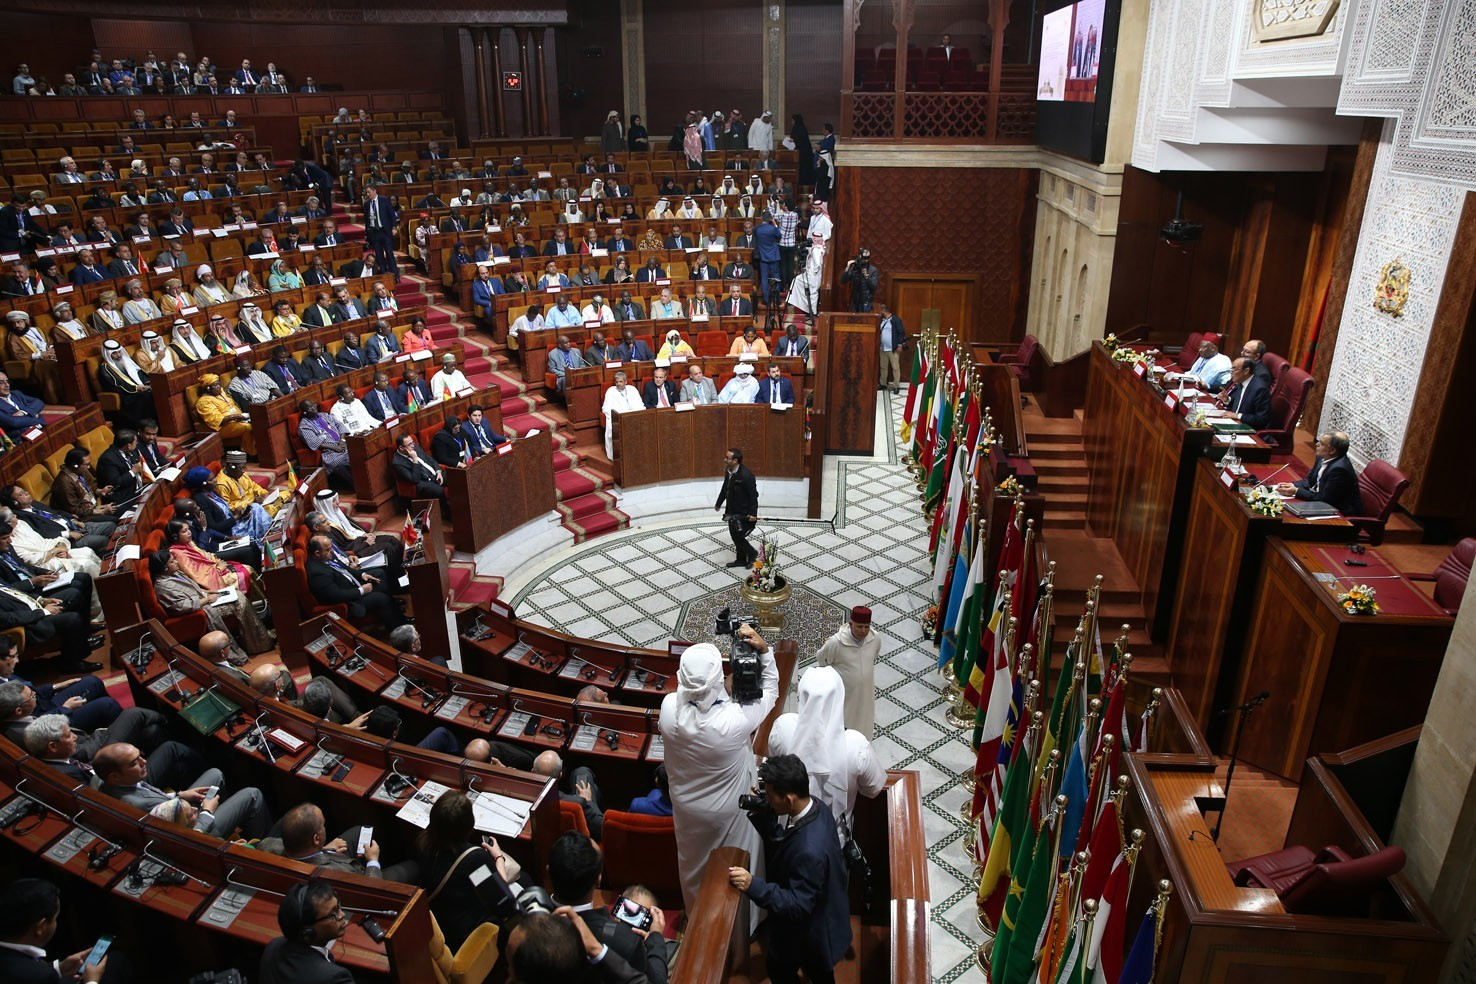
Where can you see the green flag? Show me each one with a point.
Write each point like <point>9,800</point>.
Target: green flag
<point>920,422</point>
<point>1015,964</point>
<point>1011,826</point>
<point>942,455</point>
<point>1061,709</point>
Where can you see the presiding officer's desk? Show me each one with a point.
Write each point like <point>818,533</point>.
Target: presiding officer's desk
<point>677,445</point>
<point>1224,542</point>
<point>584,389</point>
<point>1140,453</point>
<point>294,757</point>
<point>499,492</point>
<point>1336,679</point>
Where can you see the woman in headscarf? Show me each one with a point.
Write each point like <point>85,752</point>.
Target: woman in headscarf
<point>612,134</point>
<point>449,446</point>
<point>620,272</point>
<point>675,347</point>
<point>285,321</point>
<point>120,375</point>
<point>799,137</point>
<point>283,277</point>
<point>840,761</point>
<point>601,212</point>
<point>636,135</point>
<point>208,290</point>
<point>106,316</point>
<point>139,306</point>
<point>174,297</point>
<point>651,241</point>
<point>221,414</point>
<point>708,739</point>
<point>246,285</point>
<point>628,212</point>
<point>252,328</point>
<point>50,274</point>
<point>68,327</point>
<point>181,593</point>
<point>153,355</point>
<point>199,565</point>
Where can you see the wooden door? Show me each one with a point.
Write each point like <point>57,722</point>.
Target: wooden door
<point>949,298</point>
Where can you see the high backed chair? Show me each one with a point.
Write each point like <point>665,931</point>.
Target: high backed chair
<point>1277,367</point>
<point>571,817</point>
<point>641,849</point>
<point>1451,576</point>
<point>1020,359</point>
<point>1189,351</point>
<point>469,965</point>
<point>1331,883</point>
<point>1287,401</point>
<point>1379,486</point>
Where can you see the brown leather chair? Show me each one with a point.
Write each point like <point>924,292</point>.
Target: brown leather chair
<point>1331,883</point>
<point>1277,366</point>
<point>1286,406</point>
<point>1451,576</point>
<point>1019,360</point>
<point>1379,486</point>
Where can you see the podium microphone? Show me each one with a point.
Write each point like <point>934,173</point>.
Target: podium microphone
<point>1249,705</point>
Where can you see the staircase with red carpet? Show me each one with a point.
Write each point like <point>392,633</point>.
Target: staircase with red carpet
<point>468,588</point>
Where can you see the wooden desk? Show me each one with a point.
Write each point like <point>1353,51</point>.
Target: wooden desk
<point>1336,679</point>
<point>1224,543</point>
<point>369,453</point>
<point>670,445</point>
<point>1140,466</point>
<point>519,482</point>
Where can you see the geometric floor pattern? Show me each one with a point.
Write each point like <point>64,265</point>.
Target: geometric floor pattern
<point>634,585</point>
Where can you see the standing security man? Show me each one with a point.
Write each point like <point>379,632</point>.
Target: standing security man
<point>740,491</point>
<point>804,887</point>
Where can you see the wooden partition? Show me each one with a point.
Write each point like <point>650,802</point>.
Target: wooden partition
<point>849,347</point>
<point>584,389</point>
<point>499,492</point>
<point>654,446</point>
<point>369,453</point>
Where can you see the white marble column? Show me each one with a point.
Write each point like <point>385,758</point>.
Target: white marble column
<point>774,36</point>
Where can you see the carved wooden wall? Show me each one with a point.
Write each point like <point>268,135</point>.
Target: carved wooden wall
<point>975,221</point>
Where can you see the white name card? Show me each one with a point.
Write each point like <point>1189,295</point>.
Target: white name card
<point>684,406</point>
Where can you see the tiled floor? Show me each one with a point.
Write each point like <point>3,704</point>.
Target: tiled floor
<point>616,588</point>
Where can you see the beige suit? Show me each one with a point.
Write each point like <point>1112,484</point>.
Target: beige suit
<point>856,663</point>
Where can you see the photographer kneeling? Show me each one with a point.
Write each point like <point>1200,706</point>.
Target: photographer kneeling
<point>805,888</point>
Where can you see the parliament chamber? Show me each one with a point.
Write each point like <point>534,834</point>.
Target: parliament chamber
<point>388,390</point>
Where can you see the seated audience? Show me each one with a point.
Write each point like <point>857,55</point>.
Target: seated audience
<point>1332,480</point>
<point>180,594</point>
<point>222,415</point>
<point>333,583</point>
<point>123,770</point>
<point>574,867</point>
<point>581,788</point>
<point>305,838</point>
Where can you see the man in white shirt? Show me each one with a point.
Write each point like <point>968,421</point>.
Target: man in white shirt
<point>597,310</point>
<point>620,398</point>
<point>351,413</point>
<point>742,388</point>
<point>450,380</point>
<point>1211,369</point>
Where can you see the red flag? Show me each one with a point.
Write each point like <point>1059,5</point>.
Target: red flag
<point>410,534</point>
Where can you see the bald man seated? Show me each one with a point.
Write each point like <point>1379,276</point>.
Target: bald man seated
<point>581,789</point>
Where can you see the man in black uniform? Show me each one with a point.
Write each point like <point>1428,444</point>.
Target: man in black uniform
<point>740,492</point>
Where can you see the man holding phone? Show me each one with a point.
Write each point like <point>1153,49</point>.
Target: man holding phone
<point>29,911</point>
<point>574,866</point>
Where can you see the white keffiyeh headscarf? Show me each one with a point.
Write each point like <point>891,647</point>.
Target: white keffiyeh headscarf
<point>820,735</point>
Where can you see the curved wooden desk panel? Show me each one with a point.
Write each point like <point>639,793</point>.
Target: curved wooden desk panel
<point>654,446</point>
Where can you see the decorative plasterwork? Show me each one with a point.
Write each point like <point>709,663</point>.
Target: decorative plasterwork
<point>1280,20</point>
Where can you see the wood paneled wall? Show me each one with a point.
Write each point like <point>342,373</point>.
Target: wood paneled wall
<point>702,55</point>
<point>973,221</point>
<point>812,65</point>
<point>591,87</point>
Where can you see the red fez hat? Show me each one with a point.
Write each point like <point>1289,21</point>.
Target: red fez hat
<point>861,615</point>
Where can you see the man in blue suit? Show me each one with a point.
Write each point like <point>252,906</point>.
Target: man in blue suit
<point>484,289</point>
<point>379,230</point>
<point>805,884</point>
<point>382,400</point>
<point>1249,394</point>
<point>479,432</point>
<point>766,254</point>
<point>775,388</point>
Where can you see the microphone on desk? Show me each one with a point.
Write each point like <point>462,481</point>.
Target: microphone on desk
<point>1267,479</point>
<point>1254,702</point>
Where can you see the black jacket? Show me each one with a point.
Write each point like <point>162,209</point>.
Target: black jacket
<point>1335,483</point>
<point>1254,406</point>
<point>804,887</point>
<point>290,962</point>
<point>651,399</point>
<point>320,368</point>
<point>740,490</point>
<point>280,372</point>
<point>115,470</point>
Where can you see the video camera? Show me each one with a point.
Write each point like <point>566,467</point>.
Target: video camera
<point>747,667</point>
<point>753,802</point>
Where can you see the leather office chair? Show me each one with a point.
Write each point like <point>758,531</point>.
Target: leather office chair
<point>1332,883</point>
<point>1020,359</point>
<point>1286,406</point>
<point>641,849</point>
<point>1451,576</point>
<point>1189,351</point>
<point>469,965</point>
<point>1277,367</point>
<point>1379,486</point>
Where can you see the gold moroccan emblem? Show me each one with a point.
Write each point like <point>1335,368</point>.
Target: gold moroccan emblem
<point>1393,290</point>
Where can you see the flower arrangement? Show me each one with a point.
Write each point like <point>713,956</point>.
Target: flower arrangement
<point>930,621</point>
<point>1110,343</point>
<point>1359,601</point>
<point>1126,356</point>
<point>1264,501</point>
<point>765,575</point>
<point>1198,419</point>
<point>1009,488</point>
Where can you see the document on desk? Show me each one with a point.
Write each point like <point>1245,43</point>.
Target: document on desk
<point>1226,440</point>
<point>227,598</point>
<point>492,813</point>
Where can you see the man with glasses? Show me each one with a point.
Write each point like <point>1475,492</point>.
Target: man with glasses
<point>312,923</point>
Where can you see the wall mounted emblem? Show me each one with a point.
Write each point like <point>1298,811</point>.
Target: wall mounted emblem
<point>1393,290</point>
<point>1281,20</point>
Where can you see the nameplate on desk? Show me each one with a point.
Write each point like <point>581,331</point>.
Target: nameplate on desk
<point>592,322</point>
<point>10,257</point>
<point>780,406</point>
<point>715,247</point>
<point>748,357</point>
<point>189,309</point>
<point>337,281</point>
<point>663,282</point>
<point>242,350</point>
<point>142,239</point>
<point>504,448</point>
<point>467,391</point>
<point>599,252</point>
<point>49,251</point>
<point>499,260</point>
<point>403,357</point>
<point>554,289</point>
<point>1171,400</point>
<point>656,751</point>
<point>613,365</point>
<point>699,317</point>
<point>266,256</point>
<point>307,248</point>
<point>223,231</point>
<point>202,232</point>
<point>452,708</point>
<point>34,434</point>
<point>66,289</point>
<point>163,271</point>
<point>1139,370</point>
<point>515,724</point>
<point>1227,480</point>
<point>683,406</point>
<point>131,551</point>
<point>420,355</point>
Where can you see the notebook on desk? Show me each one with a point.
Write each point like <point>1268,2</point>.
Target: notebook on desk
<point>1306,509</point>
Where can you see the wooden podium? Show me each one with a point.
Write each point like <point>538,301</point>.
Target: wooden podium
<point>848,357</point>
<point>673,445</point>
<point>430,579</point>
<point>499,492</point>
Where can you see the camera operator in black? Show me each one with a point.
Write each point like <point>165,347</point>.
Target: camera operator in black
<point>805,885</point>
<point>864,279</point>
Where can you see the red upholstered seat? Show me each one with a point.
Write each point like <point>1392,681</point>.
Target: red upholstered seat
<point>642,849</point>
<point>1451,576</point>
<point>1332,883</point>
<point>1277,366</point>
<point>714,343</point>
<point>571,817</point>
<point>1287,401</point>
<point>1379,486</point>
<point>1020,360</point>
<point>1189,351</point>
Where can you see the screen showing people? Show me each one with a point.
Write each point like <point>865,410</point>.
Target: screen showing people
<point>1071,52</point>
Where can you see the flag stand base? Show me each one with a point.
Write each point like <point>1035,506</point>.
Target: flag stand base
<point>969,782</point>
<point>960,714</point>
<point>984,957</point>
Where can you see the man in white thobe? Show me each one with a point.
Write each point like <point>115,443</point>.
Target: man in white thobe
<point>709,758</point>
<point>761,133</point>
<point>450,380</point>
<point>620,398</point>
<point>742,388</point>
<point>840,760</point>
<point>853,651</point>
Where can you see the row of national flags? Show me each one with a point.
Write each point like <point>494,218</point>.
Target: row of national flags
<point>1055,870</point>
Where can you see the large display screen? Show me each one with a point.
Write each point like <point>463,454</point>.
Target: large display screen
<point>1078,42</point>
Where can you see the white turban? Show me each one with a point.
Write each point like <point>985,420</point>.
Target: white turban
<point>699,680</point>
<point>820,733</point>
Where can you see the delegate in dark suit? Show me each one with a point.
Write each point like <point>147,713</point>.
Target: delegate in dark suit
<point>420,473</point>
<point>767,385</point>
<point>740,493</point>
<point>289,962</point>
<point>804,890</point>
<point>1252,400</point>
<point>380,217</point>
<point>766,256</point>
<point>288,376</point>
<point>1334,482</point>
<point>385,403</point>
<point>649,392</point>
<point>333,584</point>
<point>318,367</point>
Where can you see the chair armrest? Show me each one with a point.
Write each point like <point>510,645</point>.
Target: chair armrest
<point>1332,854</point>
<point>474,961</point>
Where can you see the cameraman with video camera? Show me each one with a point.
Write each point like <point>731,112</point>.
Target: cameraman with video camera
<point>805,891</point>
<point>864,279</point>
<point>708,737</point>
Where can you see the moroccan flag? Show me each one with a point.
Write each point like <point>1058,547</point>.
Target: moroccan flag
<point>1138,967</point>
<point>914,393</point>
<point>1104,949</point>
<point>961,589</point>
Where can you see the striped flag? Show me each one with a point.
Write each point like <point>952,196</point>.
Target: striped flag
<point>960,590</point>
<point>1104,950</point>
<point>914,392</point>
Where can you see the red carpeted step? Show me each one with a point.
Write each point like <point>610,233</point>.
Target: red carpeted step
<point>572,482</point>
<point>479,365</point>
<point>475,593</point>
<point>564,459</point>
<point>350,231</point>
<point>435,317</point>
<point>520,424</point>
<point>458,576</point>
<point>598,524</point>
<point>586,505</point>
<point>445,333</point>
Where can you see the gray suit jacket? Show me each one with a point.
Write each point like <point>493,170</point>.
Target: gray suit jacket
<point>689,391</point>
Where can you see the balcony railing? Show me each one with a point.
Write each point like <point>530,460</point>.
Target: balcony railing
<point>961,117</point>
